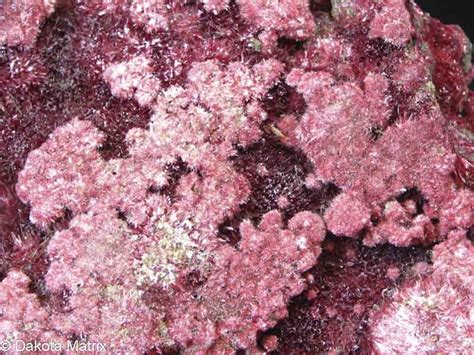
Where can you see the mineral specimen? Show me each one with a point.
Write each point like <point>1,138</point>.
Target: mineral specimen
<point>214,176</point>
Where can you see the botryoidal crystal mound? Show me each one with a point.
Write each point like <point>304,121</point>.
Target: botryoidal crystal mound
<point>182,176</point>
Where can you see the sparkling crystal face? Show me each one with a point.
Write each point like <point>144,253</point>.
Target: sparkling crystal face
<point>219,176</point>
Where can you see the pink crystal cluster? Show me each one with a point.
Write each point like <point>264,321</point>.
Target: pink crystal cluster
<point>134,249</point>
<point>248,288</point>
<point>108,285</point>
<point>167,241</point>
<point>20,20</point>
<point>273,19</point>
<point>433,313</point>
<point>374,172</point>
<point>286,18</point>
<point>350,134</point>
<point>22,315</point>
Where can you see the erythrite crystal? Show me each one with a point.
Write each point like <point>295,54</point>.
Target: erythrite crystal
<point>286,18</point>
<point>223,190</point>
<point>400,228</point>
<point>20,20</point>
<point>215,5</point>
<point>227,310</point>
<point>174,240</point>
<point>152,14</point>
<point>392,23</point>
<point>216,109</point>
<point>433,313</point>
<point>133,79</point>
<point>89,261</point>
<point>276,18</point>
<point>8,212</point>
<point>376,170</point>
<point>171,172</point>
<point>62,173</point>
<point>22,317</point>
<point>346,216</point>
